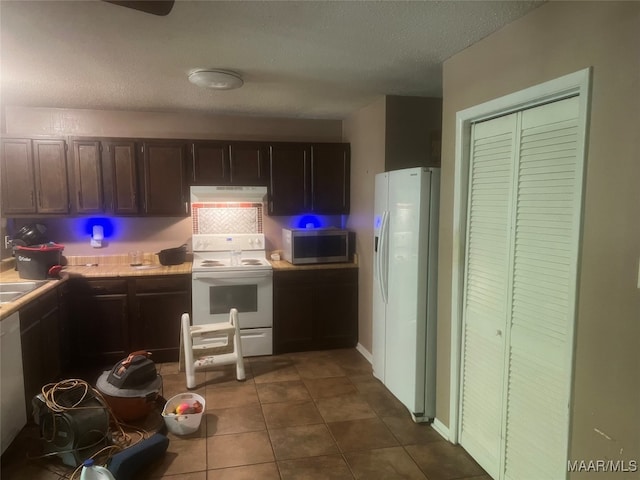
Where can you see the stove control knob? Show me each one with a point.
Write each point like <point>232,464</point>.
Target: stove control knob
<point>258,242</point>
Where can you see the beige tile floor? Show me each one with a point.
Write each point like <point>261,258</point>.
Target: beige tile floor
<point>313,415</point>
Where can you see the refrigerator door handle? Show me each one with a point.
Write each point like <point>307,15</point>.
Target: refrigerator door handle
<point>383,260</point>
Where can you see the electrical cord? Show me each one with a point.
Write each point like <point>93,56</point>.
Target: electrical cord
<point>119,436</point>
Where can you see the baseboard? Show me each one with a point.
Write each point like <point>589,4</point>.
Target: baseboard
<point>441,428</point>
<point>365,353</point>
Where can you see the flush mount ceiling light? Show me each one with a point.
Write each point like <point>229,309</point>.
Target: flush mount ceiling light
<point>216,79</point>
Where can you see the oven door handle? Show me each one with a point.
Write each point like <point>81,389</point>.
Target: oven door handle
<point>232,275</point>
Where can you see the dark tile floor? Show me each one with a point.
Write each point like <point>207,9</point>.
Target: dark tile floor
<point>312,415</point>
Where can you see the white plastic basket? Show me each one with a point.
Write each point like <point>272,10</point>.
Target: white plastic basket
<point>186,423</point>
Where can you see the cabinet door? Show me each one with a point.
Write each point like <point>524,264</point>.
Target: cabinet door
<point>100,321</point>
<point>165,178</point>
<point>50,342</point>
<point>18,187</point>
<point>335,308</point>
<point>330,177</point>
<point>40,340</point>
<point>210,163</point>
<point>247,164</point>
<point>87,168</point>
<point>31,342</point>
<point>289,178</point>
<point>65,327</point>
<point>293,329</point>
<point>121,175</point>
<point>160,303</point>
<point>52,186</point>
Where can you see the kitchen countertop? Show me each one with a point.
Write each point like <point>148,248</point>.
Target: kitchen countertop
<point>286,266</point>
<point>94,271</point>
<point>116,266</point>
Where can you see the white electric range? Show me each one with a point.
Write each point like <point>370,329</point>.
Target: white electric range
<point>231,271</point>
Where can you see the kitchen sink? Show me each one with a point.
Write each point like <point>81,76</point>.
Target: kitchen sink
<point>10,292</point>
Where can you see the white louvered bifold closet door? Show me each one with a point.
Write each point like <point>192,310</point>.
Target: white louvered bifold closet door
<point>547,222</point>
<point>523,223</point>
<point>487,284</point>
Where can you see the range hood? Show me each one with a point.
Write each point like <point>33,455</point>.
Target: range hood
<point>228,193</point>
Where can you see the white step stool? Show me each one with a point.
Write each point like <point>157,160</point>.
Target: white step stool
<point>204,355</point>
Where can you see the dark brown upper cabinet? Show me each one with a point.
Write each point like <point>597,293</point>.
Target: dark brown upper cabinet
<point>330,178</point>
<point>105,178</point>
<point>18,180</point>
<point>289,189</point>
<point>228,163</point>
<point>52,186</point>
<point>121,175</point>
<point>34,176</point>
<point>248,164</point>
<point>87,175</point>
<point>309,178</point>
<point>210,163</point>
<point>164,173</point>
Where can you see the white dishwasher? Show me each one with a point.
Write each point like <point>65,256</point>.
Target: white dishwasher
<point>12,408</point>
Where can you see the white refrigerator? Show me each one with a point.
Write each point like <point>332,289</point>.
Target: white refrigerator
<point>405,286</point>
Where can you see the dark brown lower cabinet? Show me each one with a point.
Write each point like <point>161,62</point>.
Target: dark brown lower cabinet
<point>65,327</point>
<point>113,317</point>
<point>99,321</point>
<point>40,336</point>
<point>315,309</point>
<point>159,303</point>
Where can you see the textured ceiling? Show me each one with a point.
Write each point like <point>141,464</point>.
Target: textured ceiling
<point>311,59</point>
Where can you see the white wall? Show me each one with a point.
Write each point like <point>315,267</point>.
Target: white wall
<point>553,40</point>
<point>365,130</point>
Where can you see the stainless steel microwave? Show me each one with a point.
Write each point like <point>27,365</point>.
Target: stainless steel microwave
<point>318,245</point>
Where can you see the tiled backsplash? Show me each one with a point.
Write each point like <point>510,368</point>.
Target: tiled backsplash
<point>226,217</point>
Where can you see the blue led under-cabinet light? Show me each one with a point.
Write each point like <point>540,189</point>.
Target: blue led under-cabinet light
<point>309,221</point>
<point>99,229</point>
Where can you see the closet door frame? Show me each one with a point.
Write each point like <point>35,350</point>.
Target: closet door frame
<point>577,83</point>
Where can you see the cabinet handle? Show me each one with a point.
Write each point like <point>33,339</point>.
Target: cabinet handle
<point>186,207</point>
<point>304,178</point>
<point>259,165</point>
<point>193,162</point>
<point>344,175</point>
<point>312,181</point>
